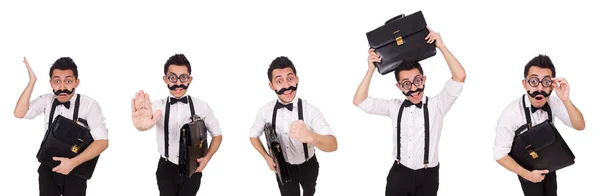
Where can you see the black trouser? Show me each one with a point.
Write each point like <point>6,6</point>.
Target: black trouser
<point>403,181</point>
<point>170,183</point>
<point>304,175</point>
<point>546,187</point>
<point>56,184</point>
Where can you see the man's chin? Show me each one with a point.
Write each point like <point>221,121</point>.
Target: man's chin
<point>63,98</point>
<point>178,92</point>
<point>286,98</point>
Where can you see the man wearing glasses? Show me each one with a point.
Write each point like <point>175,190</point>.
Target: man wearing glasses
<point>539,82</point>
<point>417,121</point>
<point>177,107</point>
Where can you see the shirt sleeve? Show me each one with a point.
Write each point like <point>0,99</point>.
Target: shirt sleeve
<point>317,122</point>
<point>257,128</point>
<point>559,110</point>
<point>505,133</point>
<point>96,121</point>
<point>447,97</point>
<point>375,106</point>
<point>38,106</point>
<point>212,124</point>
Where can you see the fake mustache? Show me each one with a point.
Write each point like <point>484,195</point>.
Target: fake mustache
<point>293,88</point>
<point>177,86</point>
<point>411,91</point>
<point>58,92</point>
<point>536,93</point>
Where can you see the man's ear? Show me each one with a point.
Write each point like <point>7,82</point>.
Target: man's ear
<point>271,86</point>
<point>524,84</point>
<point>424,79</point>
<point>76,83</point>
<point>190,80</point>
<point>398,85</point>
<point>165,79</point>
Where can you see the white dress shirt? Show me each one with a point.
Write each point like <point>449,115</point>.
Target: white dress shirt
<point>513,117</point>
<point>89,110</point>
<point>412,130</point>
<point>313,118</point>
<point>179,115</point>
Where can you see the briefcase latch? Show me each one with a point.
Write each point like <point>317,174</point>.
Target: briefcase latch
<point>75,148</point>
<point>399,40</point>
<point>533,155</point>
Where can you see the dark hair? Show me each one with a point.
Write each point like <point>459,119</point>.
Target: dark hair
<point>178,59</point>
<point>405,66</point>
<point>281,62</point>
<point>64,63</point>
<point>541,61</point>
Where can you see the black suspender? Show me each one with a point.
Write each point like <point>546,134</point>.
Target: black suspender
<point>300,117</point>
<point>528,117</point>
<point>426,116</point>
<point>166,127</point>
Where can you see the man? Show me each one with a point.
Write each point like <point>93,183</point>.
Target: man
<point>540,80</point>
<point>145,115</point>
<point>64,78</point>
<point>415,170</point>
<point>299,134</point>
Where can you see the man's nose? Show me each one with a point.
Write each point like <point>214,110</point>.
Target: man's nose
<point>286,84</point>
<point>178,82</point>
<point>540,87</point>
<point>62,86</point>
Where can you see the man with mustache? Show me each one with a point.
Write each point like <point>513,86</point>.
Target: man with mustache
<point>299,136</point>
<point>417,121</point>
<point>540,80</point>
<point>177,107</point>
<point>64,78</point>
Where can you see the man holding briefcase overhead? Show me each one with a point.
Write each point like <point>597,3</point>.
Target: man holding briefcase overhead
<point>67,178</point>
<point>417,120</point>
<point>170,115</point>
<point>536,111</point>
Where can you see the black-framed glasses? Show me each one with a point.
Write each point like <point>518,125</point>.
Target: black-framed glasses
<point>173,78</point>
<point>417,81</point>
<point>535,82</point>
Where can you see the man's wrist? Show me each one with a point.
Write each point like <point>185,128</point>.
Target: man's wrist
<point>314,137</point>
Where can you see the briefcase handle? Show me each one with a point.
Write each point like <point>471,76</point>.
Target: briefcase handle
<point>395,18</point>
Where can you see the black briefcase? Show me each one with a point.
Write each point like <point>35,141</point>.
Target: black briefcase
<point>400,39</point>
<point>192,145</point>
<point>66,138</point>
<point>542,147</point>
<point>278,153</point>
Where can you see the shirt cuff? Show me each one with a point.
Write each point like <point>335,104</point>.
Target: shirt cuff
<point>366,104</point>
<point>99,134</point>
<point>454,87</point>
<point>500,152</point>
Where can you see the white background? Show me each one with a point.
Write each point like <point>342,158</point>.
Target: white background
<point>120,48</point>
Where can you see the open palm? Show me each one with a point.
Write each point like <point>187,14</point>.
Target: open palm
<point>141,111</point>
